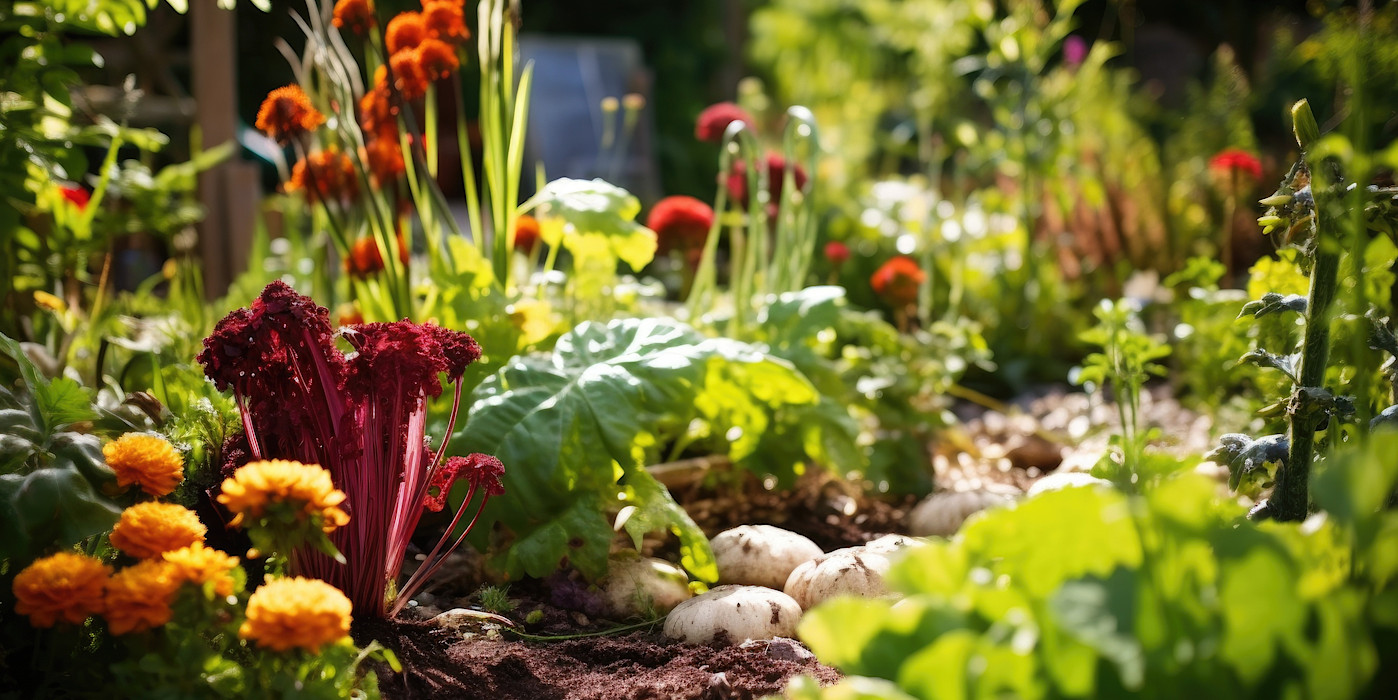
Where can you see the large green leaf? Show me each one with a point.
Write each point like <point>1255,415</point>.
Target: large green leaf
<point>54,504</point>
<point>595,221</point>
<point>576,427</point>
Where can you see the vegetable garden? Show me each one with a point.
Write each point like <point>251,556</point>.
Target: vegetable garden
<point>985,364</point>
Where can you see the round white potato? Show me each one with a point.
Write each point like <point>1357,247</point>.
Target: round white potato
<point>636,586</point>
<point>760,555</point>
<point>942,514</point>
<point>854,571</point>
<point>734,614</point>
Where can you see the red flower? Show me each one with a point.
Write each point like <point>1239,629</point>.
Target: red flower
<point>776,177</point>
<point>355,15</point>
<point>897,280</point>
<point>526,233</point>
<point>479,470</point>
<point>438,60</point>
<point>384,159</point>
<point>445,21</point>
<point>326,175</point>
<point>680,223</point>
<point>837,253</point>
<point>405,31</point>
<point>1236,160</point>
<point>287,112</point>
<point>714,120</point>
<point>77,195</point>
<point>408,74</point>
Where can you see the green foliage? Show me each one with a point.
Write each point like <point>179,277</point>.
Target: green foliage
<point>1087,592</point>
<point>576,428</point>
<point>496,599</point>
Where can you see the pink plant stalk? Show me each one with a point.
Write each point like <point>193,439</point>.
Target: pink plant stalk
<point>362,416</point>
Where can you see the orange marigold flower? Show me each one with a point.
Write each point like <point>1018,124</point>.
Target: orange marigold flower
<point>355,15</point>
<point>63,587</point>
<point>680,222</point>
<point>897,280</point>
<point>199,565</point>
<point>139,597</point>
<point>384,159</point>
<point>325,175</point>
<point>438,60</point>
<point>445,20</point>
<point>257,485</point>
<point>377,112</point>
<point>408,75</point>
<point>404,32</point>
<point>526,233</point>
<point>148,460</point>
<point>364,259</point>
<point>296,613</point>
<point>287,113</point>
<point>150,529</point>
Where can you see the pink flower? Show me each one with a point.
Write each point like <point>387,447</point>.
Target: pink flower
<point>837,253</point>
<point>77,195</point>
<point>714,120</point>
<point>680,223</point>
<point>1236,160</point>
<point>1074,51</point>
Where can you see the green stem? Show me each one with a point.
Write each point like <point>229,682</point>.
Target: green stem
<point>1290,500</point>
<point>600,633</point>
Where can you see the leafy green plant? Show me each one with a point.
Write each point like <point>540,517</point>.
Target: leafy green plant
<point>579,425</point>
<point>1087,592</point>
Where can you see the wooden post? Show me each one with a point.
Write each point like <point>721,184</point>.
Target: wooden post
<point>229,191</point>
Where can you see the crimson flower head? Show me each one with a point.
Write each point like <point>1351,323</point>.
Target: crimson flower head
<point>897,280</point>
<point>526,233</point>
<point>837,253</point>
<point>714,120</point>
<point>775,166</point>
<point>77,195</point>
<point>680,223</point>
<point>481,471</point>
<point>1236,160</point>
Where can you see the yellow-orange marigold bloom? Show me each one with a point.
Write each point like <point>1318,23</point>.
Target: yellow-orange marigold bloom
<point>445,20</point>
<point>384,159</point>
<point>287,112</point>
<point>438,60</point>
<point>139,597</point>
<point>63,587</point>
<point>307,486</point>
<point>147,460</point>
<point>199,565</point>
<point>292,613</point>
<point>325,175</point>
<point>404,32</point>
<point>377,111</point>
<point>408,75</point>
<point>151,529</point>
<point>355,15</point>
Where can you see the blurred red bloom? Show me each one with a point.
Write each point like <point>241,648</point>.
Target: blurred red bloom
<point>526,233</point>
<point>445,21</point>
<point>287,113</point>
<point>408,74</point>
<point>737,181</point>
<point>1236,160</point>
<point>714,120</point>
<point>77,195</point>
<point>897,280</point>
<point>325,175</point>
<point>837,253</point>
<point>355,15</point>
<point>680,223</point>
<point>438,60</point>
<point>364,259</point>
<point>404,31</point>
<point>384,159</point>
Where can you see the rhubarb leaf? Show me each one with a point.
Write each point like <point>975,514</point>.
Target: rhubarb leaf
<point>576,427</point>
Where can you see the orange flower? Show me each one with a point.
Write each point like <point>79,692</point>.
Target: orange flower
<point>147,460</point>
<point>897,280</point>
<point>445,20</point>
<point>377,113</point>
<point>150,529</point>
<point>526,233</point>
<point>296,613</point>
<point>307,487</point>
<point>354,15</point>
<point>287,113</point>
<point>139,597</point>
<point>364,258</point>
<point>404,32</point>
<point>324,176</point>
<point>408,75</point>
<point>199,565</point>
<point>63,587</point>
<point>384,159</point>
<point>438,60</point>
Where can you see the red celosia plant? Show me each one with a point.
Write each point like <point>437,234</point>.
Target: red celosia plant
<point>714,120</point>
<point>680,223</point>
<point>362,416</point>
<point>775,166</point>
<point>1236,160</point>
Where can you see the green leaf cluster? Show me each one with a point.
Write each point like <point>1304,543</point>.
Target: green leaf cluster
<point>576,428</point>
<point>1089,592</point>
